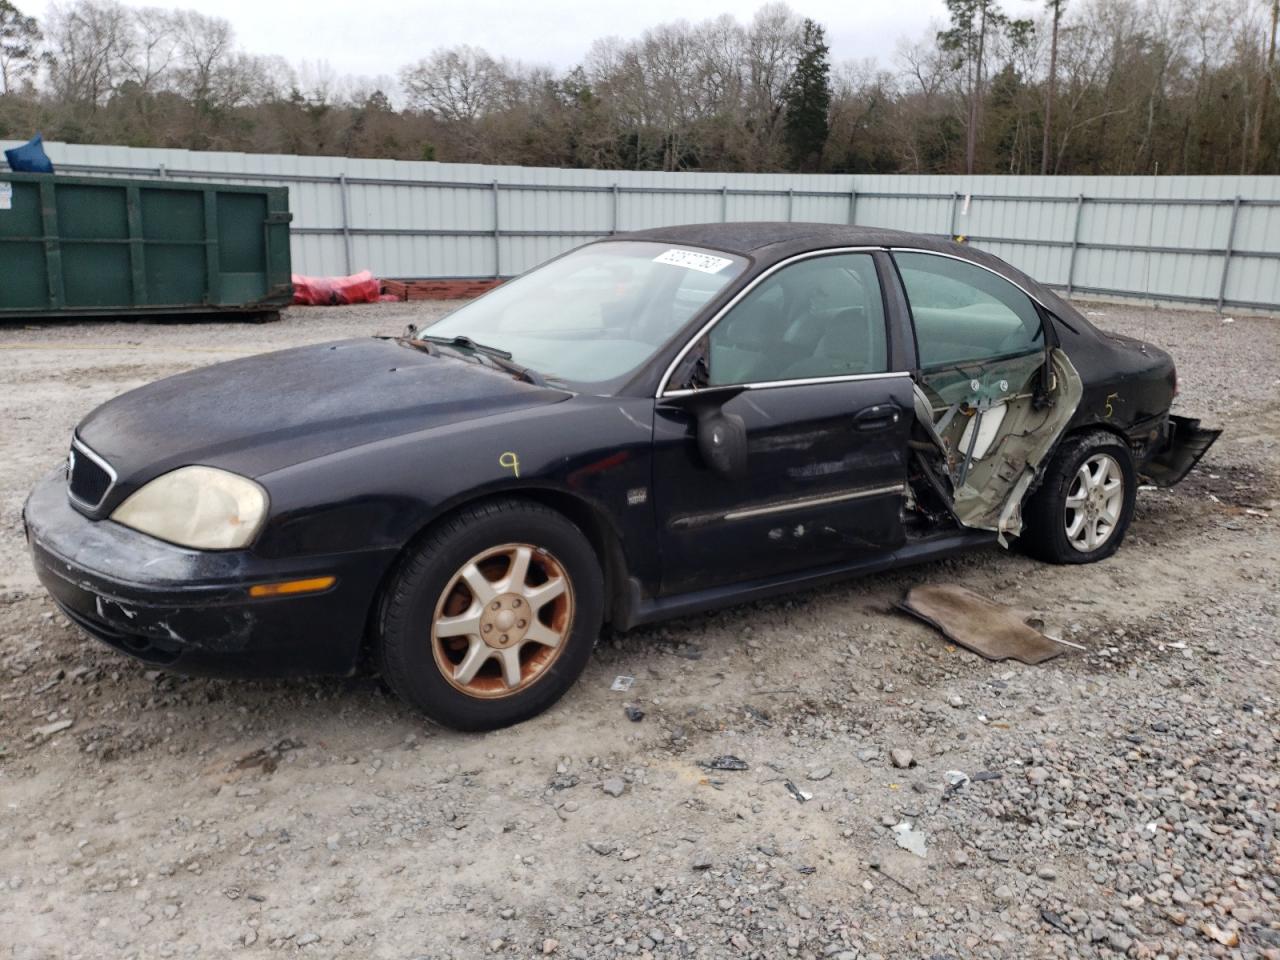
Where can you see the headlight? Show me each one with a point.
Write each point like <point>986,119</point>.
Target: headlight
<point>199,507</point>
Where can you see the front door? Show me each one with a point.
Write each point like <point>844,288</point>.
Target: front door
<point>827,425</point>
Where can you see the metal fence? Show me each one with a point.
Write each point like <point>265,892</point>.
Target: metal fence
<point>1210,241</point>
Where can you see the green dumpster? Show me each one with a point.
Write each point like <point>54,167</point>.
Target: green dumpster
<point>80,246</point>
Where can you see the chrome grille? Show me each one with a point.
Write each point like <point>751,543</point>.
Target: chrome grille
<point>89,477</point>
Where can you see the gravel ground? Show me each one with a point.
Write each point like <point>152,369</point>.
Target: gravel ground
<point>1120,801</point>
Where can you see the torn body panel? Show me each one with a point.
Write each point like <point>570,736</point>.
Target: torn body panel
<point>1183,443</point>
<point>993,424</point>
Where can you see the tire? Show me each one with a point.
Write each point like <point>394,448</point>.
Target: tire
<point>436,616</point>
<point>1049,519</point>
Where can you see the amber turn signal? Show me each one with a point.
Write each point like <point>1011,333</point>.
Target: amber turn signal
<point>290,587</point>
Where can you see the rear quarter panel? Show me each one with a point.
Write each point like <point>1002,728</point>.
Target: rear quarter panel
<point>1128,385</point>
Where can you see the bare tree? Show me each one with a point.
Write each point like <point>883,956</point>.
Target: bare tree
<point>19,40</point>
<point>88,44</point>
<point>458,84</point>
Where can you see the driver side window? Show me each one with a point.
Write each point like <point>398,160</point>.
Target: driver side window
<point>820,317</point>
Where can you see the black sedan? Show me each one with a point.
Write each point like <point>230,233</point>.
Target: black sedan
<point>651,425</point>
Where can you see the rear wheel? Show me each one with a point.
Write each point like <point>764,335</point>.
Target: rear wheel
<point>1084,505</point>
<point>493,617</point>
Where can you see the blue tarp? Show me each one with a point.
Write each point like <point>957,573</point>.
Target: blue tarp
<point>30,157</point>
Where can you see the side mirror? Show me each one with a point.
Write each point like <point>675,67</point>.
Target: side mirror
<point>722,437</point>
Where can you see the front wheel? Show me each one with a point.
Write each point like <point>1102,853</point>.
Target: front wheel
<point>493,617</point>
<point>1085,503</point>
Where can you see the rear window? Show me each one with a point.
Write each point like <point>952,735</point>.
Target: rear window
<point>964,313</point>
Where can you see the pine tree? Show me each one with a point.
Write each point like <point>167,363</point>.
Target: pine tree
<point>807,99</point>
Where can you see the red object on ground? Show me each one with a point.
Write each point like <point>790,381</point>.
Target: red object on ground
<point>361,287</point>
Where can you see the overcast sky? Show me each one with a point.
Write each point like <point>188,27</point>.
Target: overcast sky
<point>377,37</point>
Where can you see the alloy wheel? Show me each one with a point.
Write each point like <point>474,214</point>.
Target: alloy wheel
<point>502,620</point>
<point>1094,502</point>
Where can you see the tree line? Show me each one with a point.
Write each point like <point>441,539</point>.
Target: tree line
<point>1085,87</point>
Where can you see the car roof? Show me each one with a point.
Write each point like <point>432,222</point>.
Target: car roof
<point>750,237</point>
<point>770,241</point>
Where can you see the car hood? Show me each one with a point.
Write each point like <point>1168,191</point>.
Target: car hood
<point>267,412</point>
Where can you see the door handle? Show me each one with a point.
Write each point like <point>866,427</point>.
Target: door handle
<point>879,417</point>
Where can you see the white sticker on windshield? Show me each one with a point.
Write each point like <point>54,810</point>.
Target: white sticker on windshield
<point>6,196</point>
<point>692,260</point>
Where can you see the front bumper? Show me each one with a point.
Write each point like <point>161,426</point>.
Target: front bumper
<point>189,611</point>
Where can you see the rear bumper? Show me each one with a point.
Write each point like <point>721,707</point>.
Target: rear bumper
<point>1181,444</point>
<point>190,610</point>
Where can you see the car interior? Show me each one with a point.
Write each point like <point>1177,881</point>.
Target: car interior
<point>817,318</point>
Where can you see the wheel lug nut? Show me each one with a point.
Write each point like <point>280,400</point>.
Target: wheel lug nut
<point>520,624</point>
<point>503,638</point>
<point>488,627</point>
<point>496,604</point>
<point>515,602</point>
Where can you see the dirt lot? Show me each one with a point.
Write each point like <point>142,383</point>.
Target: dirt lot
<point>1123,800</point>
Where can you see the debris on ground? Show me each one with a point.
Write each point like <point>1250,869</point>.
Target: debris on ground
<point>990,629</point>
<point>360,287</point>
<point>634,713</point>
<point>268,758</point>
<point>955,781</point>
<point>725,761</point>
<point>622,684</point>
<point>908,838</point>
<point>802,796</point>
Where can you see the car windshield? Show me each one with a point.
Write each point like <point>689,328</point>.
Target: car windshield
<point>597,314</point>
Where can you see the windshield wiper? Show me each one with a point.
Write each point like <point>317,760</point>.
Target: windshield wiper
<point>499,357</point>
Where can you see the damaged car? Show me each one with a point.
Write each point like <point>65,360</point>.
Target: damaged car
<point>648,426</point>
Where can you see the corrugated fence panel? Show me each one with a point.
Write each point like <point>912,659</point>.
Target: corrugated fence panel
<point>1200,240</point>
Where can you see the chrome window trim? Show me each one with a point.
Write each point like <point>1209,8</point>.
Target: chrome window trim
<point>79,446</point>
<point>719,314</point>
<point>805,381</point>
<point>973,263</point>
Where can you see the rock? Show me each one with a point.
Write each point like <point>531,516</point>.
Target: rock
<point>819,773</point>
<point>550,946</point>
<point>1037,776</point>
<point>307,939</point>
<point>702,860</point>
<point>1046,872</point>
<point>49,729</point>
<point>902,759</point>
<point>629,854</point>
<point>955,701</point>
<point>1004,892</point>
<point>614,786</point>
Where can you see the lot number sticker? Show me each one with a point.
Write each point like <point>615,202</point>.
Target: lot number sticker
<point>691,260</point>
<point>6,196</point>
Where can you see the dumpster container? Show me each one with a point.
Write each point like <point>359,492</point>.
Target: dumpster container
<point>80,246</point>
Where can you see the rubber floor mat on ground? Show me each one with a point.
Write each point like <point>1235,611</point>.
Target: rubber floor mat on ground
<point>990,629</point>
